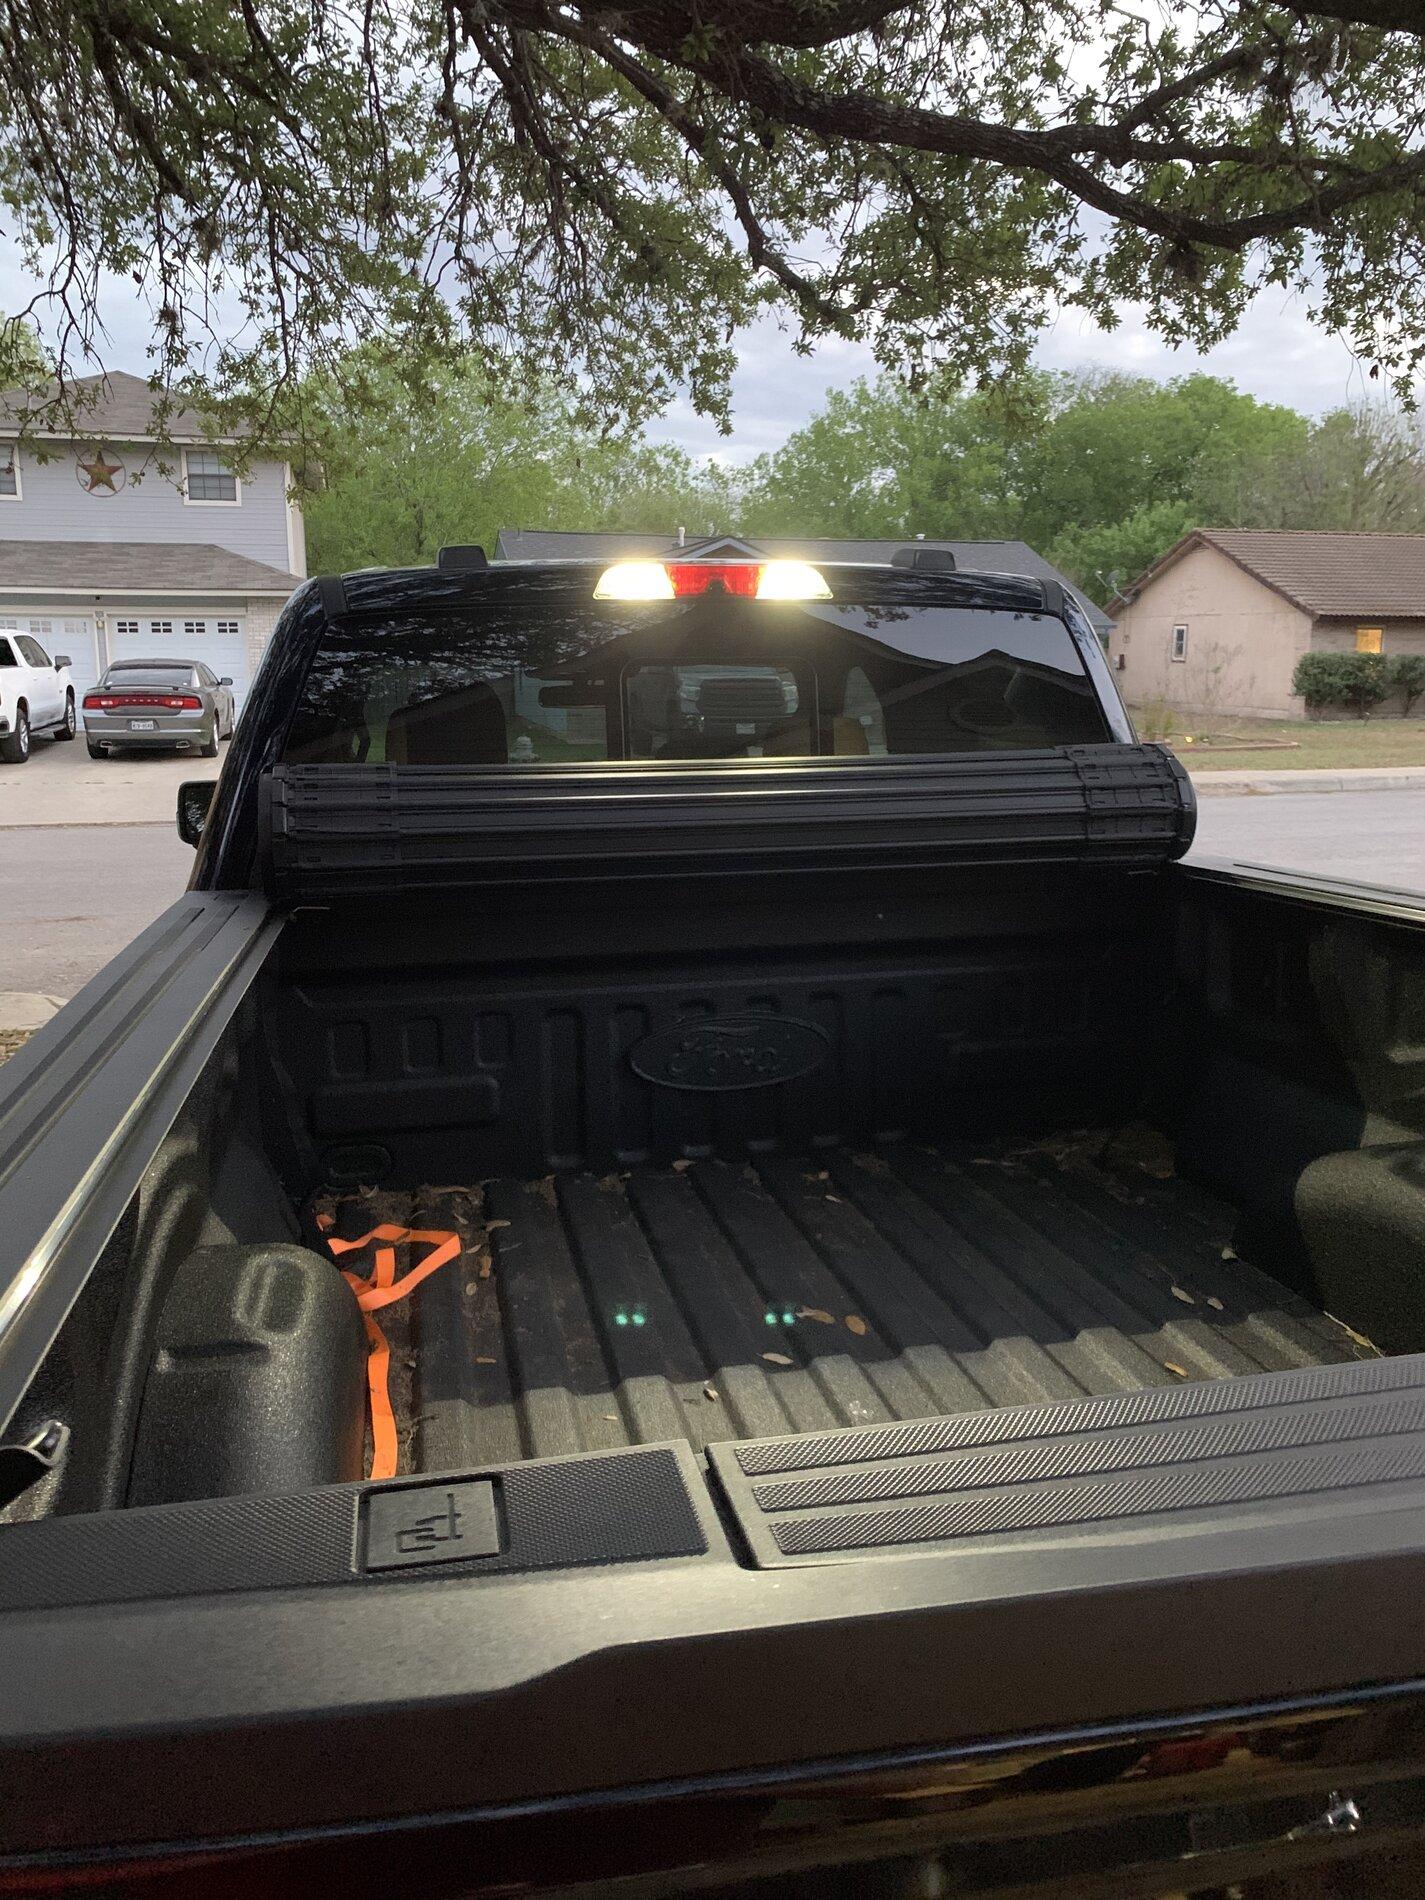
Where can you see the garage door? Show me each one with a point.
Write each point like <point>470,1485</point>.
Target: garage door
<point>218,640</point>
<point>58,633</point>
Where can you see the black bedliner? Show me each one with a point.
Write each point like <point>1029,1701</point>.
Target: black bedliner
<point>714,1301</point>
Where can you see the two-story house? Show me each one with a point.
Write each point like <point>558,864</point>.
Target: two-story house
<point>111,548</point>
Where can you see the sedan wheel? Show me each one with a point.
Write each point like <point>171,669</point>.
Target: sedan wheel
<point>15,747</point>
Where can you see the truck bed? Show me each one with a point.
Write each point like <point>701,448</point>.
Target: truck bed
<point>713,1301</point>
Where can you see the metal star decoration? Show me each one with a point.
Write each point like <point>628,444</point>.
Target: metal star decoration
<point>99,474</point>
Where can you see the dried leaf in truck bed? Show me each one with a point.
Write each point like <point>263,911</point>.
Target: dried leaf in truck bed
<point>855,1324</point>
<point>1181,1371</point>
<point>817,1313</point>
<point>1140,1145</point>
<point>778,1359</point>
<point>1181,1293</point>
<point>813,1178</point>
<point>681,1167</point>
<point>710,1391</point>
<point>873,1164</point>
<point>491,1225</point>
<point>484,1359</point>
<point>1215,1303</point>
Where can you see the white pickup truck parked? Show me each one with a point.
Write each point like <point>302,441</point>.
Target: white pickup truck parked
<point>36,695</point>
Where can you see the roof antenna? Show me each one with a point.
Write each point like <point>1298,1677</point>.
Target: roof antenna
<point>682,537</point>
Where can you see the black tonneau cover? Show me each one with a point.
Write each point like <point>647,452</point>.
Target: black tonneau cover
<point>332,831</point>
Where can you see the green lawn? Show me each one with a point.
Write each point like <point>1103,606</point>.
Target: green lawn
<point>1324,744</point>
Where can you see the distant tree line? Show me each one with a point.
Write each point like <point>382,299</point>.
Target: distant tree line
<point>1101,472</point>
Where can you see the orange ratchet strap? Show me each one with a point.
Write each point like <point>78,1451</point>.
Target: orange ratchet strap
<point>381,1290</point>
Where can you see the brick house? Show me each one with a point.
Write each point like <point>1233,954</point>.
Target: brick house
<point>1218,623</point>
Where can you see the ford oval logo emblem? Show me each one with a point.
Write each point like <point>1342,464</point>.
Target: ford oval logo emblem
<point>730,1052</point>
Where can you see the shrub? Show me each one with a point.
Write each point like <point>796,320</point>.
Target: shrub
<point>1357,681</point>
<point>1407,676</point>
<point>1156,720</point>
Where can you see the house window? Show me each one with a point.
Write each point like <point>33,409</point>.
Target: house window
<point>1368,639</point>
<point>9,472</point>
<point>228,629</point>
<point>127,626</point>
<point>195,629</point>
<point>160,629</point>
<point>44,628</point>
<point>206,477</point>
<point>1179,648</point>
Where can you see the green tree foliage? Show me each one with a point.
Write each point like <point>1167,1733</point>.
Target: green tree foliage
<point>604,194</point>
<point>414,464</point>
<point>1101,473</point>
<point>1359,468</point>
<point>878,462</point>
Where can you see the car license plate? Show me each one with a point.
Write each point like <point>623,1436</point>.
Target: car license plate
<point>143,725</point>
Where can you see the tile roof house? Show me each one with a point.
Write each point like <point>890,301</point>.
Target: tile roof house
<point>110,550</point>
<point>993,557</point>
<point>1219,622</point>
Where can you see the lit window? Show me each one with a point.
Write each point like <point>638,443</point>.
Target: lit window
<point>1179,643</point>
<point>207,477</point>
<point>1368,639</point>
<point>9,471</point>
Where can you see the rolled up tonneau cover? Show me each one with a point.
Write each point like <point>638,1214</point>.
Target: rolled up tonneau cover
<point>342,831</point>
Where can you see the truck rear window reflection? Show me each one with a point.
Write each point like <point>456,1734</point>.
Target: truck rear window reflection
<point>513,684</point>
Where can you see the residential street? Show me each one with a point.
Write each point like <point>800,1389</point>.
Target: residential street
<point>1378,837</point>
<point>76,894</point>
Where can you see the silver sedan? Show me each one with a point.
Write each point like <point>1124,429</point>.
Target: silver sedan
<point>172,705</point>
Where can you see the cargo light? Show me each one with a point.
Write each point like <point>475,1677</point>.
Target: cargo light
<point>678,580</point>
<point>171,702</point>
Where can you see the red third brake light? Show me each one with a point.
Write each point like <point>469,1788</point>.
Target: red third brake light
<point>696,577</point>
<point>171,702</point>
<point>649,581</point>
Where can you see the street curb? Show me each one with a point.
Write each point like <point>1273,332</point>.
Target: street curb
<point>1384,778</point>
<point>27,1009</point>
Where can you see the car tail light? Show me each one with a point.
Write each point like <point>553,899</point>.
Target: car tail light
<point>171,702</point>
<point>678,580</point>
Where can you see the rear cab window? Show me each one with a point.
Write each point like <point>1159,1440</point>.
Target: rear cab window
<point>542,674</point>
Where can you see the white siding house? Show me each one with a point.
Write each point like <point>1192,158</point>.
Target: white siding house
<point>111,548</point>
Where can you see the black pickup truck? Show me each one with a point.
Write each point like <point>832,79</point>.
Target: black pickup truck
<point>696,1262</point>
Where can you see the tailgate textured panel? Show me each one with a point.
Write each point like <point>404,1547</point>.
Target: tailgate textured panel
<point>1064,1469</point>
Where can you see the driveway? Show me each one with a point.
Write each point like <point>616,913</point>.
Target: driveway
<point>89,856</point>
<point>62,785</point>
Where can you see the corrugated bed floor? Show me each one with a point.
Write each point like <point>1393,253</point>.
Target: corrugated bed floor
<point>714,1300</point>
